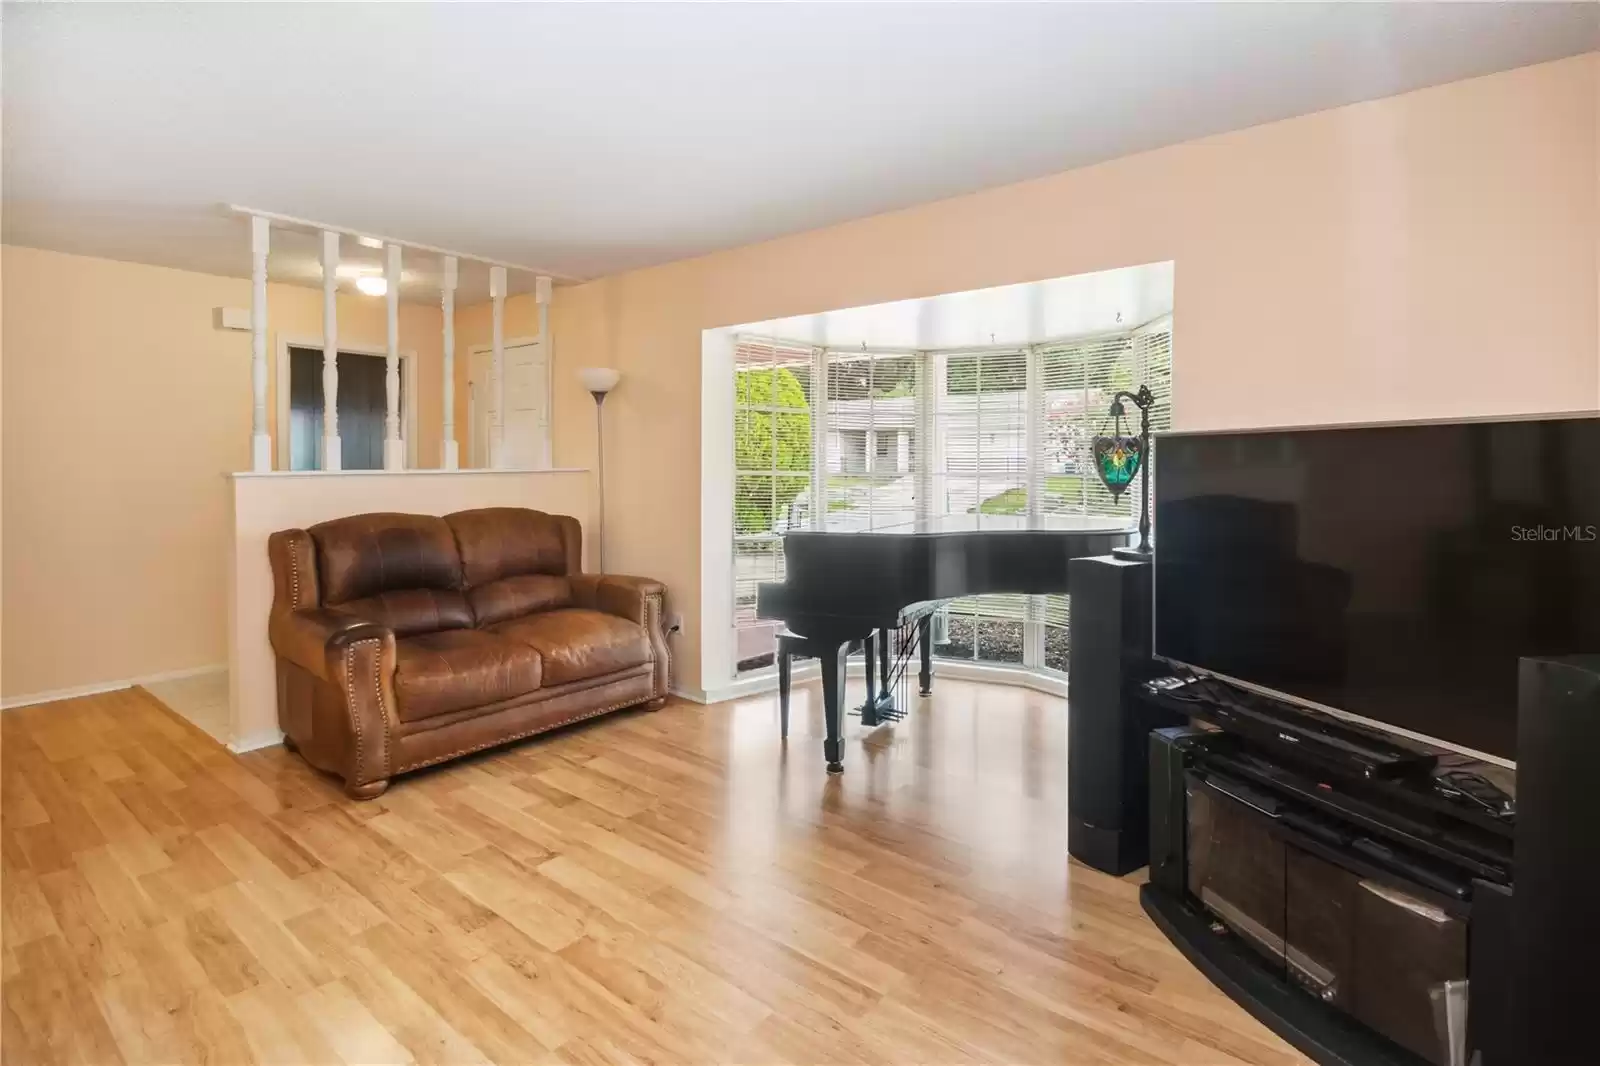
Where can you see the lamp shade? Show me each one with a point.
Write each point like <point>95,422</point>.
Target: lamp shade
<point>599,378</point>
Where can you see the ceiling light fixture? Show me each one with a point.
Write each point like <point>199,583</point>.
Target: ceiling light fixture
<point>373,285</point>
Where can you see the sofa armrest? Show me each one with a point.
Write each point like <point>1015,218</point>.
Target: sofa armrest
<point>316,640</point>
<point>640,600</point>
<point>625,597</point>
<point>353,732</point>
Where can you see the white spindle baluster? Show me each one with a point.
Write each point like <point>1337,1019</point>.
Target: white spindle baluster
<point>260,442</point>
<point>394,450</point>
<point>497,429</point>
<point>541,289</point>
<point>449,454</point>
<point>330,350</point>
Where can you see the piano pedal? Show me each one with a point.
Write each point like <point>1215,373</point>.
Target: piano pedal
<point>882,711</point>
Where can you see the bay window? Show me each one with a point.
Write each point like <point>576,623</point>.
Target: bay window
<point>864,439</point>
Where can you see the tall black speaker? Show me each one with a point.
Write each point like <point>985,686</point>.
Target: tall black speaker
<point>1556,916</point>
<point>1108,724</point>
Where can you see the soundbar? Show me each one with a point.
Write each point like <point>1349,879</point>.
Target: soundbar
<point>1314,737</point>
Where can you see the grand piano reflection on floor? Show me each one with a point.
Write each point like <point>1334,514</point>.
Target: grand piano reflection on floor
<point>843,587</point>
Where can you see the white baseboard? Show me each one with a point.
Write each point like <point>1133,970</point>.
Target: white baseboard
<point>760,682</point>
<point>56,695</point>
<point>763,681</point>
<point>994,674</point>
<point>265,738</point>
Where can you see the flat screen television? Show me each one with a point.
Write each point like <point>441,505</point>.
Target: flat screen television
<point>1391,573</point>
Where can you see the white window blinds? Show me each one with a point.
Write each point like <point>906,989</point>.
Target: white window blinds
<point>871,447</point>
<point>980,419</point>
<point>773,460</point>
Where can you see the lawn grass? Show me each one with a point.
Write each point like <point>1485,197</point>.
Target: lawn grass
<point>1067,487</point>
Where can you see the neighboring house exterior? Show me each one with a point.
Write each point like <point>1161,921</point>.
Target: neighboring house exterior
<point>982,434</point>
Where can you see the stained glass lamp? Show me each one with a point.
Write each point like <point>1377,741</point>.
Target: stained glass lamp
<point>1119,455</point>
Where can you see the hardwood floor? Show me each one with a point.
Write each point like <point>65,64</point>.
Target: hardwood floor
<point>667,887</point>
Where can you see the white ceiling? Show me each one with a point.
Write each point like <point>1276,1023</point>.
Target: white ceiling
<point>582,139</point>
<point>1058,309</point>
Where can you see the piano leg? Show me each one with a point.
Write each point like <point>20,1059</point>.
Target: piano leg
<point>868,709</point>
<point>870,716</point>
<point>925,639</point>
<point>833,658</point>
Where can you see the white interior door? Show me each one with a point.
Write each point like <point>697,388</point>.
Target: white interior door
<point>527,427</point>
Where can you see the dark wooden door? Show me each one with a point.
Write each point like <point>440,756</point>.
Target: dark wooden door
<point>362,406</point>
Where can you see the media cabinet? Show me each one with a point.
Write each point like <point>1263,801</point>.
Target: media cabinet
<point>1316,873</point>
<point>1376,902</point>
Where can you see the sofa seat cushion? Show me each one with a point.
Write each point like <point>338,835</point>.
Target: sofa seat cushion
<point>577,643</point>
<point>436,673</point>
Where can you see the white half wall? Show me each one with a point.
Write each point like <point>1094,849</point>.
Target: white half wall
<point>265,503</point>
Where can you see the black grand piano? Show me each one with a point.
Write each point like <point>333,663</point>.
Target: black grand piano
<point>843,588</point>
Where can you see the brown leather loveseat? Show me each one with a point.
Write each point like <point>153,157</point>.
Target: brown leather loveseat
<point>406,640</point>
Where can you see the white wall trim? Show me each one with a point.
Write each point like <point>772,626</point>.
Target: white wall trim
<point>426,472</point>
<point>55,695</point>
<point>266,738</point>
<point>408,368</point>
<point>990,673</point>
<point>761,682</point>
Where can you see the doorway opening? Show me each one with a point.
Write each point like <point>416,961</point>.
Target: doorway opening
<point>363,406</point>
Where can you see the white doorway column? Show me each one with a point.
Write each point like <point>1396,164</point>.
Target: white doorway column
<point>330,350</point>
<point>260,442</point>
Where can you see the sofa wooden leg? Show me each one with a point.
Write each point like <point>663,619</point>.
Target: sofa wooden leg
<point>289,745</point>
<point>370,790</point>
<point>656,704</point>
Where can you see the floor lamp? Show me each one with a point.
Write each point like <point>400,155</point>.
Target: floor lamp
<point>600,380</point>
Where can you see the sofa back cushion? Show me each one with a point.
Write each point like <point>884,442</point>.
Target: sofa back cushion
<point>512,597</point>
<point>412,611</point>
<point>515,561</point>
<point>400,570</point>
<point>497,542</point>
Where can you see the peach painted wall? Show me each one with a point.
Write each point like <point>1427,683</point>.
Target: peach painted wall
<point>123,410</point>
<point>1428,255</point>
<point>262,504</point>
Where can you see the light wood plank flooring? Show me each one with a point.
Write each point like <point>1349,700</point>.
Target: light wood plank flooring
<point>669,887</point>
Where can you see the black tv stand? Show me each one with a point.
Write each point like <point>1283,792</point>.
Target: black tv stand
<point>1320,874</point>
<point>1327,1036</point>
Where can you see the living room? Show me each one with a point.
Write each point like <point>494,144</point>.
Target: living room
<point>1381,214</point>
